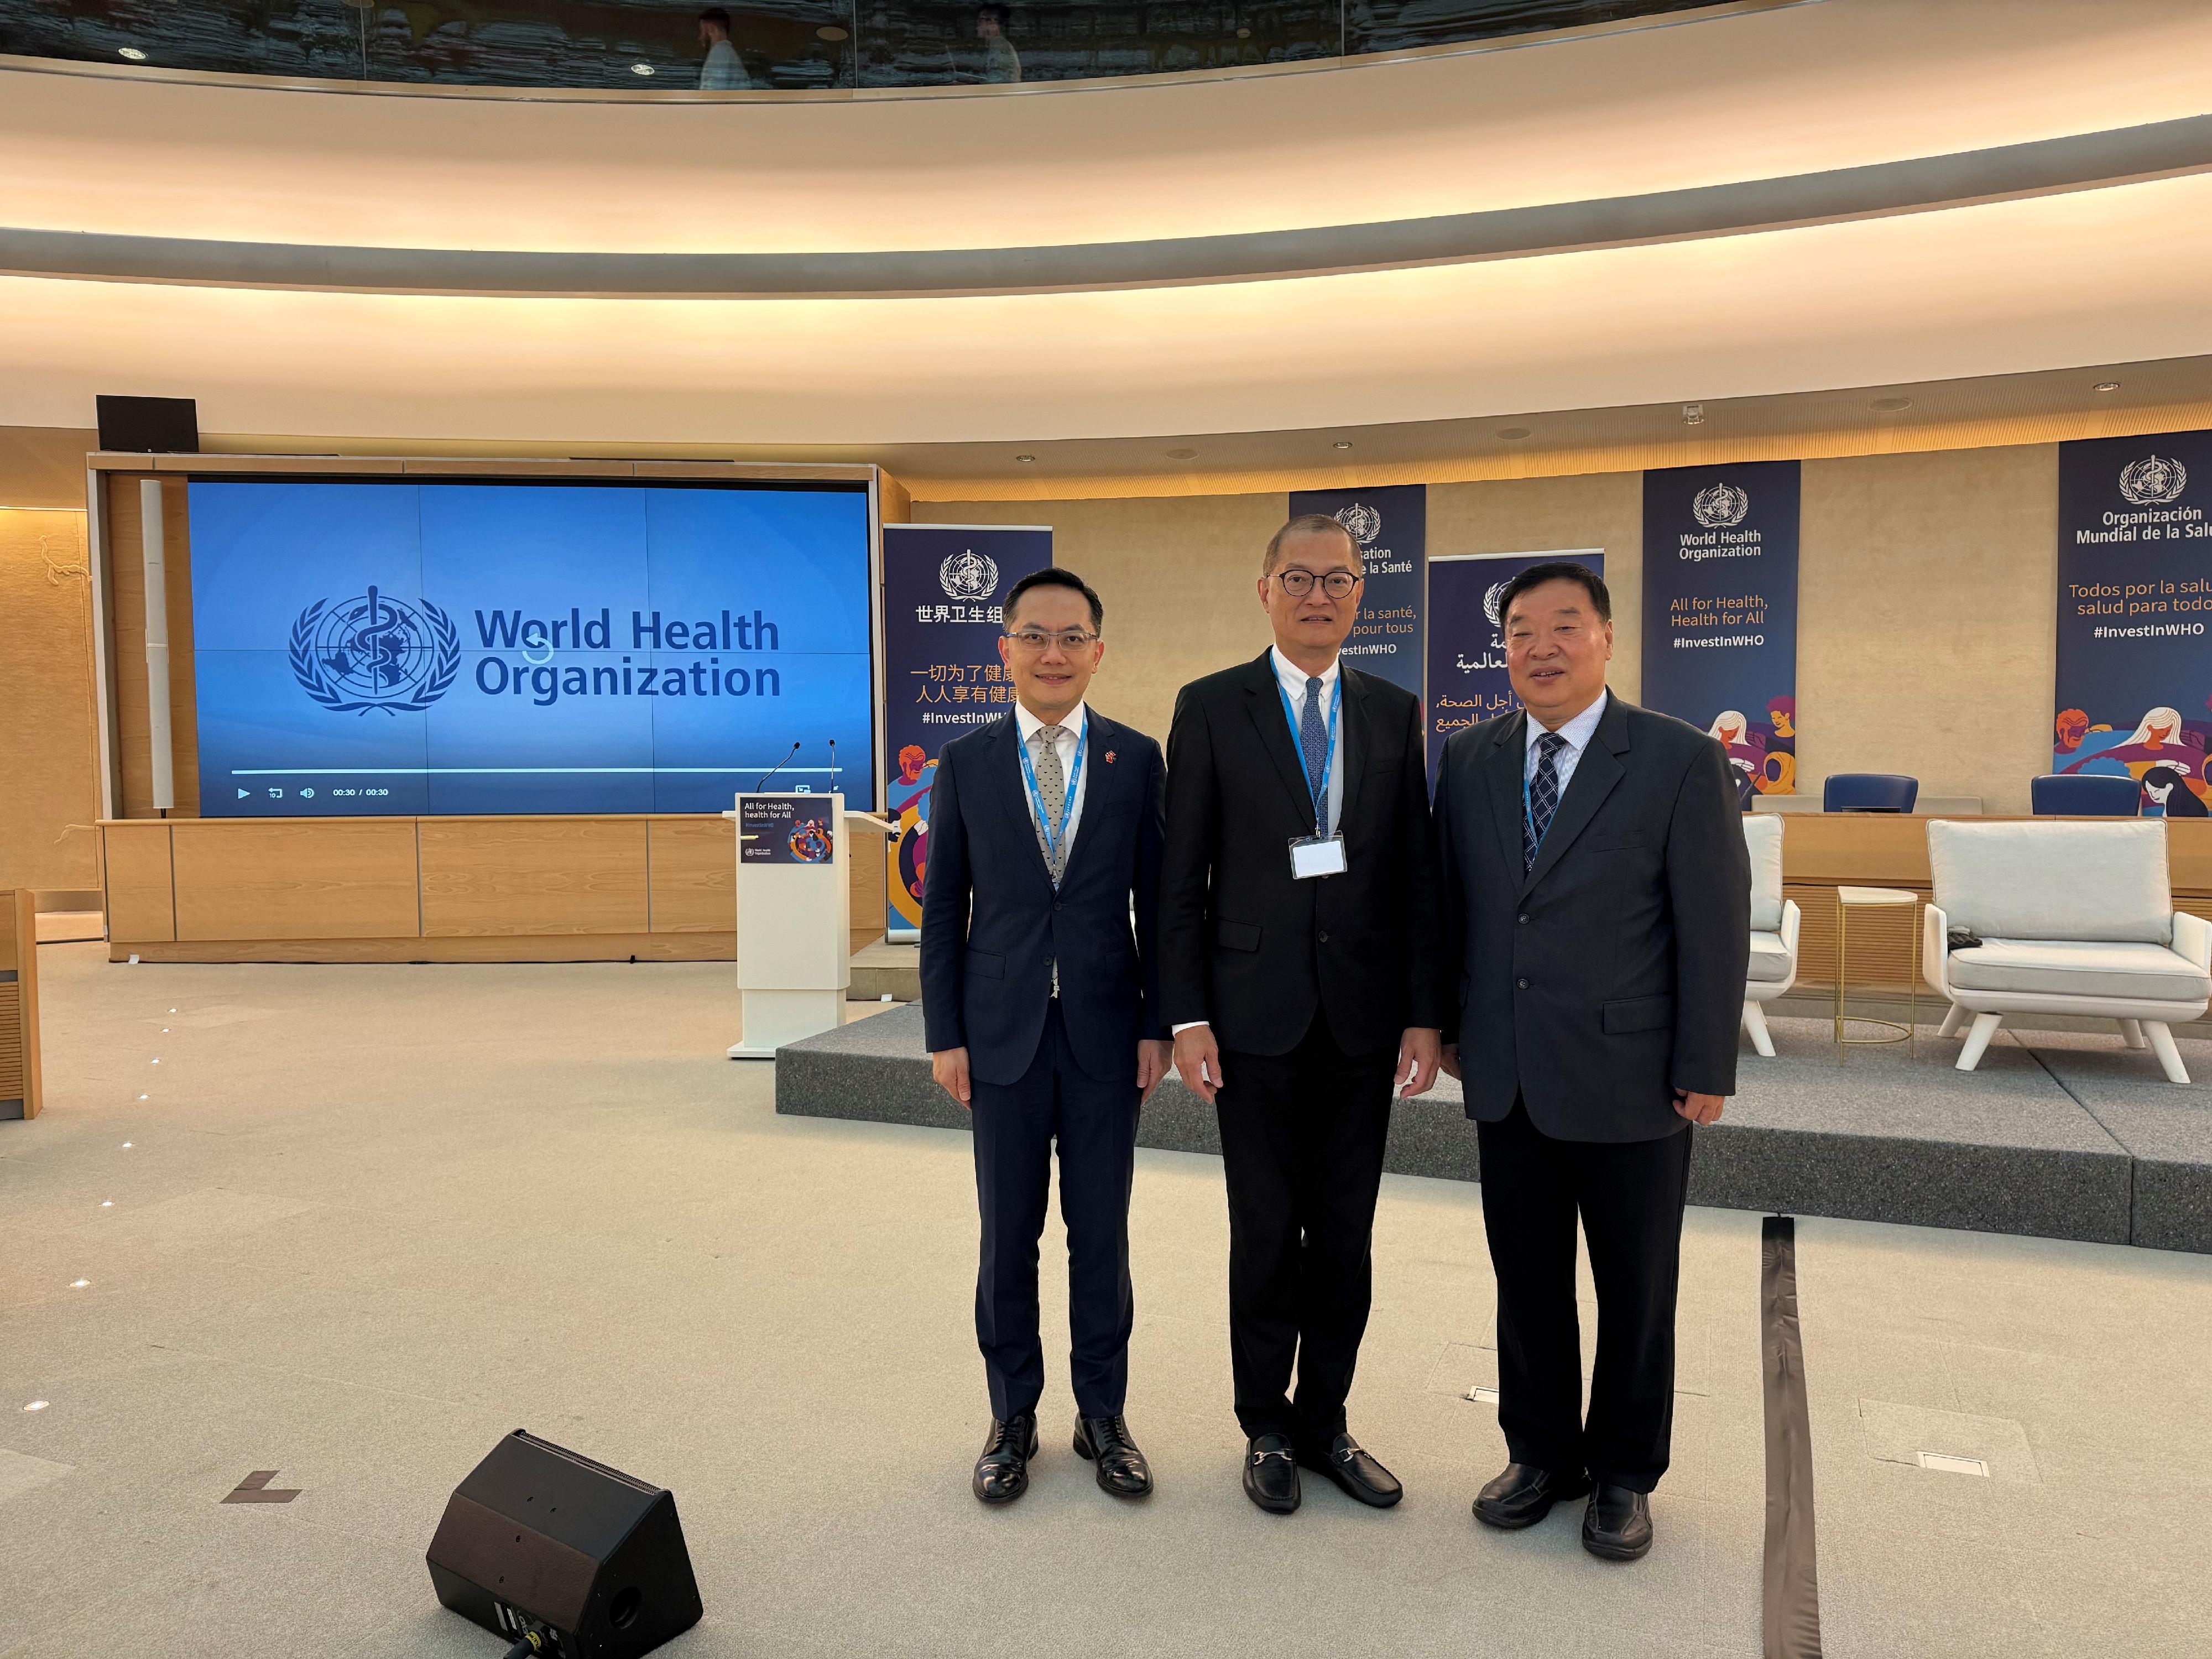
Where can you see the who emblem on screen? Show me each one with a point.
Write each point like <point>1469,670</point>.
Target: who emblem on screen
<point>370,651</point>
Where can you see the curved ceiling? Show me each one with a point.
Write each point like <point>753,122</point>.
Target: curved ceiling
<point>1875,190</point>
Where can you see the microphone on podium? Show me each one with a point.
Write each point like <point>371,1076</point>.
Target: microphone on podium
<point>775,768</point>
<point>833,766</point>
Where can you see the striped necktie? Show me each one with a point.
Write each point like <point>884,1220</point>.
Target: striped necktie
<point>1543,798</point>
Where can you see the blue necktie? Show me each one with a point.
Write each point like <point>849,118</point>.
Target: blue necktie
<point>1313,737</point>
<point>1543,798</point>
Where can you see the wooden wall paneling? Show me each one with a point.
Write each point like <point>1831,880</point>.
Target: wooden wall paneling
<point>492,947</point>
<point>141,895</point>
<point>184,667</point>
<point>48,740</point>
<point>274,878</point>
<point>867,887</point>
<point>20,1091</point>
<point>526,876</point>
<point>693,875</point>
<point>126,605</point>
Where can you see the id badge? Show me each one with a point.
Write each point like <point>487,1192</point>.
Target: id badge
<point>1316,855</point>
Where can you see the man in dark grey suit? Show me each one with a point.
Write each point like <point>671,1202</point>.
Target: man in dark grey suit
<point>1598,917</point>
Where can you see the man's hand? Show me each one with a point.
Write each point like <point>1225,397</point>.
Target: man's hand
<point>1699,1109</point>
<point>1153,1060</point>
<point>1448,1063</point>
<point>1198,1061</point>
<point>950,1067</point>
<point>1419,1052</point>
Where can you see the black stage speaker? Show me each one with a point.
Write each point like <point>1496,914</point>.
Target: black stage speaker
<point>540,1541</point>
<point>169,426</point>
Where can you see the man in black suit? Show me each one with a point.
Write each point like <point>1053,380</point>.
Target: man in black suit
<point>1299,967</point>
<point>1598,917</point>
<point>1041,1010</point>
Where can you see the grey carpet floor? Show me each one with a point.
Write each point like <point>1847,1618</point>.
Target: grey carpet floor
<point>368,1219</point>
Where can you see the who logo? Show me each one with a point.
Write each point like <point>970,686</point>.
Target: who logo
<point>1720,505</point>
<point>370,651</point>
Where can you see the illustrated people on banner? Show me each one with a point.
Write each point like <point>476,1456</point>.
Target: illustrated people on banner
<point>2172,795</point>
<point>1780,776</point>
<point>2161,743</point>
<point>1747,753</point>
<point>908,802</point>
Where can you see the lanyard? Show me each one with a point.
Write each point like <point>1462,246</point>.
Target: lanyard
<point>1328,755</point>
<point>1052,832</point>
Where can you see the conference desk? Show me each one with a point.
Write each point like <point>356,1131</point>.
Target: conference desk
<point>657,887</point>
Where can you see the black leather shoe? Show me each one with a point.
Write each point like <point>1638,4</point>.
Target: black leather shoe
<point>1271,1473</point>
<point>1002,1473</point>
<point>1121,1467</point>
<point>1524,1494</point>
<point>1354,1469</point>
<point>1617,1525</point>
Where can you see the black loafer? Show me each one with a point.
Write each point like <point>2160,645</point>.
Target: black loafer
<point>1122,1469</point>
<point>1002,1473</point>
<point>1271,1473</point>
<point>1356,1470</point>
<point>1617,1525</point>
<point>1524,1494</point>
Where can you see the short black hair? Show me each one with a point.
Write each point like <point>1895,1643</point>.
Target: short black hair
<point>1307,524</point>
<point>715,14</point>
<point>1054,576</point>
<point>1556,570</point>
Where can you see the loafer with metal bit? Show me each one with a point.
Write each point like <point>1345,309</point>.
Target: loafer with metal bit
<point>1271,1473</point>
<point>1524,1494</point>
<point>1354,1469</point>
<point>1002,1473</point>
<point>1617,1525</point>
<point>1122,1469</point>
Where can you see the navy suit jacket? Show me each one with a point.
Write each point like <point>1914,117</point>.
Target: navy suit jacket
<point>992,925</point>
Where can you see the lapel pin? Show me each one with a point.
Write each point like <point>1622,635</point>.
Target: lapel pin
<point>1109,757</point>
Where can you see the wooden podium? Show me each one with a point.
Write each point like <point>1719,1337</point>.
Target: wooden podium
<point>795,915</point>
<point>19,1005</point>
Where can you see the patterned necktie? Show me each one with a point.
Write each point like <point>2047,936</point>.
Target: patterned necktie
<point>1313,737</point>
<point>1543,798</point>
<point>1052,785</point>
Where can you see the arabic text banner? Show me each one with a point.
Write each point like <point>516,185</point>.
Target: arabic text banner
<point>1720,613</point>
<point>1468,683</point>
<point>944,596</point>
<point>2135,602</point>
<point>1391,527</point>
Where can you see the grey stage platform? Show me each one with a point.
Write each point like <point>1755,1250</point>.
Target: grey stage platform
<point>2058,1135</point>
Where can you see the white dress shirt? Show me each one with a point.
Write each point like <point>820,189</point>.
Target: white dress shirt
<point>1577,731</point>
<point>724,70</point>
<point>1078,718</point>
<point>1292,679</point>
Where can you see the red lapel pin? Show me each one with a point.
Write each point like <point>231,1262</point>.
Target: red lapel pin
<point>1109,757</point>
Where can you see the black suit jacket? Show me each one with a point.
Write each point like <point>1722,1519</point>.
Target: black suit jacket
<point>1612,974</point>
<point>992,925</point>
<point>1242,945</point>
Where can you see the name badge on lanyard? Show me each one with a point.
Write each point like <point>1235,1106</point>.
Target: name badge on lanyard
<point>1319,854</point>
<point>1054,832</point>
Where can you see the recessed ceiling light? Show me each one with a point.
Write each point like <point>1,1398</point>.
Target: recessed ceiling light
<point>830,32</point>
<point>1890,405</point>
<point>641,69</point>
<point>1693,414</point>
<point>126,1146</point>
<point>132,52</point>
<point>2108,385</point>
<point>1244,34</point>
<point>36,1405</point>
<point>79,1284</point>
<point>1512,432</point>
<point>106,1203</point>
<point>1025,458</point>
<point>1182,454</point>
<point>1343,443</point>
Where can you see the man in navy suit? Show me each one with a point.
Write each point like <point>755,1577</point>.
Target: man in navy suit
<point>1041,1006</point>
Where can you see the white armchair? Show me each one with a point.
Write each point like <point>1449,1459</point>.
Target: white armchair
<point>1774,923</point>
<point>2074,917</point>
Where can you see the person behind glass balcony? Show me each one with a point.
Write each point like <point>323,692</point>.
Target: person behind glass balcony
<point>1002,64</point>
<point>1042,1016</point>
<point>724,70</point>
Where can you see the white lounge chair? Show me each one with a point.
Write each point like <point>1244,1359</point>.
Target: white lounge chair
<point>2074,917</point>
<point>1774,921</point>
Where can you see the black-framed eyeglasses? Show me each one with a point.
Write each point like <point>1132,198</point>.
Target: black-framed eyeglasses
<point>1036,638</point>
<point>1297,583</point>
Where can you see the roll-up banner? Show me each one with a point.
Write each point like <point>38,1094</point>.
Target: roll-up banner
<point>1391,526</point>
<point>945,597</point>
<point>1720,613</point>
<point>1467,682</point>
<point>2135,601</point>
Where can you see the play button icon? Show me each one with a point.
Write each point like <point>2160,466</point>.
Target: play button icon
<point>243,793</point>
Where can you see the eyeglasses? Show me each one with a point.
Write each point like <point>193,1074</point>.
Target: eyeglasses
<point>1036,638</point>
<point>1338,584</point>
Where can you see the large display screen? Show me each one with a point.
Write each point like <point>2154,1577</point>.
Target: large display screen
<point>376,647</point>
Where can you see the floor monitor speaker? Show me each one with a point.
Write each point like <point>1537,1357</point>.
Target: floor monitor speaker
<point>169,426</point>
<point>540,1542</point>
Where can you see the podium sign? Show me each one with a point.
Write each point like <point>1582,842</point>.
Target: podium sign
<point>787,829</point>
<point>795,915</point>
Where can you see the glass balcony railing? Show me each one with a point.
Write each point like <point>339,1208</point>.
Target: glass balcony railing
<point>788,44</point>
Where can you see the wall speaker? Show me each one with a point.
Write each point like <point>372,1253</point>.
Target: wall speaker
<point>168,426</point>
<point>541,1543</point>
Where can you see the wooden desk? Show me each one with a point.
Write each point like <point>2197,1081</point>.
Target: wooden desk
<point>655,887</point>
<point>20,1089</point>
<point>1823,851</point>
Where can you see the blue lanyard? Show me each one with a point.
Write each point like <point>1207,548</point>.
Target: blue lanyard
<point>1052,832</point>
<point>1328,755</point>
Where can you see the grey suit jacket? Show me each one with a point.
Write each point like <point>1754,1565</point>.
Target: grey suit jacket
<point>1612,973</point>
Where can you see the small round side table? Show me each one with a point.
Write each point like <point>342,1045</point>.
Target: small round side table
<point>1849,899</point>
